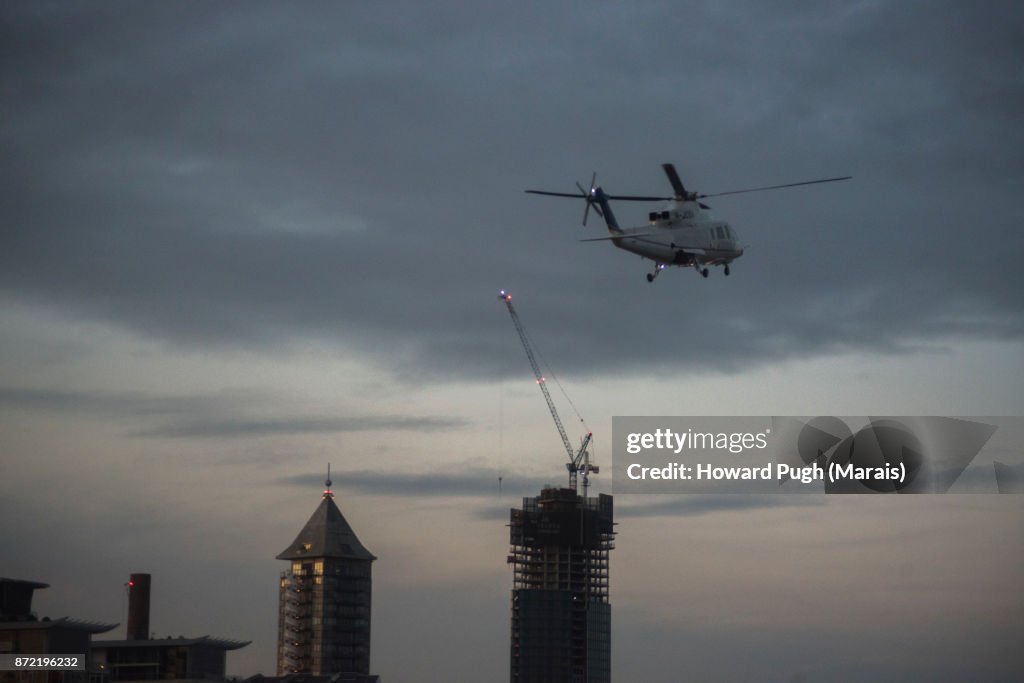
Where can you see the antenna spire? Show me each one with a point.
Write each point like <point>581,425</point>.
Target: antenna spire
<point>328,493</point>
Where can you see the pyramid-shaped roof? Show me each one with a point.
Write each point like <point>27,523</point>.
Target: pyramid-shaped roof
<point>326,534</point>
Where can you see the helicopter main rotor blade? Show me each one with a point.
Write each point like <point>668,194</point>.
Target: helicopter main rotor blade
<point>619,197</point>
<point>673,177</point>
<point>776,187</point>
<point>574,195</point>
<point>636,198</point>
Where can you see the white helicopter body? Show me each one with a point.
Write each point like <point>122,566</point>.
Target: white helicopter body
<point>684,233</point>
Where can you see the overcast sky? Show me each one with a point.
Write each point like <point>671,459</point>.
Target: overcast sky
<point>243,241</point>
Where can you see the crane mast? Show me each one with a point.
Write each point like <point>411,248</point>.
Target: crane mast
<point>580,460</point>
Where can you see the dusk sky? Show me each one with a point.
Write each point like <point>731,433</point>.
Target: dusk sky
<point>243,241</point>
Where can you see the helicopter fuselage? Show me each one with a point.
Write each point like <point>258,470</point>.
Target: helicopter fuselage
<point>681,235</point>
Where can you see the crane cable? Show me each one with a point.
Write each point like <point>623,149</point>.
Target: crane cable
<point>551,373</point>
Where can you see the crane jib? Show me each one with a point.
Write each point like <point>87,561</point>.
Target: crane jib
<point>539,375</point>
<point>579,462</point>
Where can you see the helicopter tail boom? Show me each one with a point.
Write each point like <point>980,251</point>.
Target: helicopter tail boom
<point>606,210</point>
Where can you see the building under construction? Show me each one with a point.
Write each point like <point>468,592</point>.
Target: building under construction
<point>561,618</point>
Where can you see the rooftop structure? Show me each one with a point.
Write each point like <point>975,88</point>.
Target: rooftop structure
<point>21,633</point>
<point>138,607</point>
<point>179,659</point>
<point>140,657</point>
<point>16,599</point>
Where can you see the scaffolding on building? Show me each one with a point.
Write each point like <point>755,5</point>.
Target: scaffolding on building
<point>561,618</point>
<point>295,618</point>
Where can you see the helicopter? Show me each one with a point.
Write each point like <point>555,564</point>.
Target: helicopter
<point>683,233</point>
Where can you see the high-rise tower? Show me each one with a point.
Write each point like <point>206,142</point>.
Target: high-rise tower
<point>561,618</point>
<point>324,615</point>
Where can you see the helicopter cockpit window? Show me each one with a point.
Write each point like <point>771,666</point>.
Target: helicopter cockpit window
<point>665,215</point>
<point>720,232</point>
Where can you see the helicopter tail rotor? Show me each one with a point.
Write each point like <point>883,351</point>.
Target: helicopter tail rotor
<point>589,198</point>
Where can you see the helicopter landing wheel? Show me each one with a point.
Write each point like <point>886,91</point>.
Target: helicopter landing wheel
<point>727,271</point>
<point>650,277</point>
<point>704,272</point>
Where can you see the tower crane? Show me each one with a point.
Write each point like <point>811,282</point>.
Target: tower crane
<point>579,461</point>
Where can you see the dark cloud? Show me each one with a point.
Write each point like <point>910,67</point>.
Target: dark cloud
<point>467,482</point>
<point>700,504</point>
<point>220,428</point>
<point>112,404</point>
<point>675,506</point>
<point>212,416</point>
<point>503,495</point>
<point>250,178</point>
